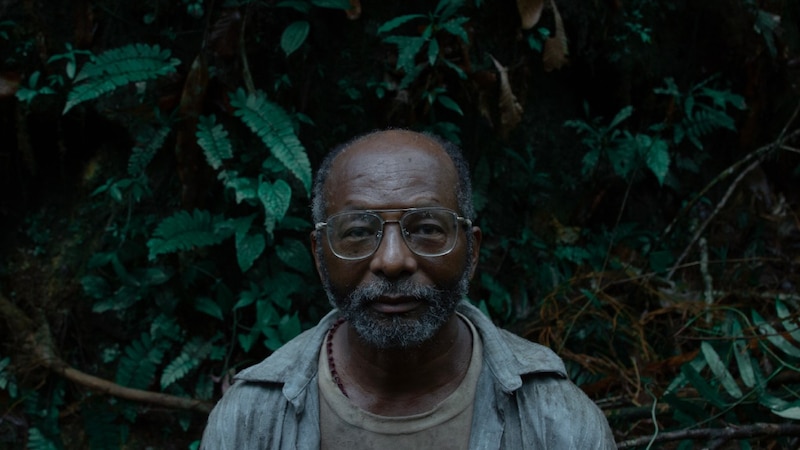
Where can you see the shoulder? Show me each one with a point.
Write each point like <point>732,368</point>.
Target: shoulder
<point>508,355</point>
<point>245,417</point>
<point>563,412</point>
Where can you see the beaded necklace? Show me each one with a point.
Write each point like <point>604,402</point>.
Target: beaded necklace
<point>329,349</point>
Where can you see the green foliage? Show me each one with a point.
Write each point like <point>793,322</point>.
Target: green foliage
<point>189,359</point>
<point>119,67</point>
<point>274,127</point>
<point>410,48</point>
<point>728,372</point>
<point>294,35</point>
<point>213,139</point>
<point>573,254</point>
<point>8,382</point>
<point>704,110</point>
<point>184,231</point>
<point>137,367</point>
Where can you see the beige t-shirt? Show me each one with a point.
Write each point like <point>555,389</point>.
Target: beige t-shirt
<point>447,426</point>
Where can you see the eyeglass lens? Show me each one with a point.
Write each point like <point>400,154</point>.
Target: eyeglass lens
<point>426,232</point>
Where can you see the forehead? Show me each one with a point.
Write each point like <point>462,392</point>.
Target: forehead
<point>395,169</point>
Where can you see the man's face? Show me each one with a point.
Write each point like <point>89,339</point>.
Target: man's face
<point>395,298</point>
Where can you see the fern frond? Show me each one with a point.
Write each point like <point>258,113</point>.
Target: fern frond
<point>191,356</point>
<point>274,126</point>
<point>704,121</point>
<point>118,67</point>
<point>38,441</point>
<point>213,139</point>
<point>137,367</point>
<point>183,231</point>
<point>144,152</point>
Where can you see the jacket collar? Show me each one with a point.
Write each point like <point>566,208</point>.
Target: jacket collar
<point>508,356</point>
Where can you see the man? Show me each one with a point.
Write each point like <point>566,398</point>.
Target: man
<point>402,362</point>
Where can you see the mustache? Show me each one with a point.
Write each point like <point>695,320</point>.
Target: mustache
<point>370,292</point>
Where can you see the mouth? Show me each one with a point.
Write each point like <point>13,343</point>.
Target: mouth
<point>395,305</point>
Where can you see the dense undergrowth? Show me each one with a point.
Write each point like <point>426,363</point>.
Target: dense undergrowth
<point>634,166</point>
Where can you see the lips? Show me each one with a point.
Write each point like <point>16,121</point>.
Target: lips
<point>396,305</point>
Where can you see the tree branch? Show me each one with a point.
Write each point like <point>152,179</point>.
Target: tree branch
<point>39,343</point>
<point>719,434</point>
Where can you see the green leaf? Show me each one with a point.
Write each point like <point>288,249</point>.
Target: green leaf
<point>398,21</point>
<point>119,67</point>
<point>433,51</point>
<point>657,159</point>
<point>703,388</point>
<point>720,370</point>
<point>246,340</point>
<point>271,123</point>
<point>456,28</point>
<point>742,355</point>
<point>209,306</point>
<point>276,199</point>
<point>294,35</point>
<point>213,139</point>
<point>38,441</point>
<point>774,337</point>
<point>96,286</point>
<point>407,49</point>
<point>137,367</point>
<point>148,143</point>
<point>789,325</point>
<point>248,249</point>
<point>248,297</point>
<point>450,104</point>
<point>301,6</point>
<point>295,255</point>
<point>332,4</point>
<point>192,354</point>
<point>244,188</point>
<point>623,114</point>
<point>184,231</point>
<point>780,407</point>
<point>622,156</point>
<point>289,327</point>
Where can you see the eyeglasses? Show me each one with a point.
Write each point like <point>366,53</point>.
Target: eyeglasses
<point>427,232</point>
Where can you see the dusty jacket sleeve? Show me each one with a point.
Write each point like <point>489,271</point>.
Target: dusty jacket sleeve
<point>249,416</point>
<point>557,414</point>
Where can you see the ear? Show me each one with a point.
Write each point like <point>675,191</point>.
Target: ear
<point>477,235</point>
<point>314,243</point>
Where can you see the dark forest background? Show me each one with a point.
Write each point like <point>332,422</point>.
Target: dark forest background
<point>635,162</point>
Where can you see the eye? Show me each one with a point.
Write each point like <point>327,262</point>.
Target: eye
<point>427,229</point>
<point>354,233</point>
<point>425,226</point>
<point>356,227</point>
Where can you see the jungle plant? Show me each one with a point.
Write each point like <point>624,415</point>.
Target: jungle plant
<point>426,45</point>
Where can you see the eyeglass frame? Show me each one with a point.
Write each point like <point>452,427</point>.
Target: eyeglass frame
<point>377,212</point>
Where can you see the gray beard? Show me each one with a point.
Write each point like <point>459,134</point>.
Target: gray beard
<point>396,331</point>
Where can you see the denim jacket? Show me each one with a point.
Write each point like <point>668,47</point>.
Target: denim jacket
<point>523,400</point>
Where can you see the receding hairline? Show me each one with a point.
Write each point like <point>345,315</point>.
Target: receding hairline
<point>421,141</point>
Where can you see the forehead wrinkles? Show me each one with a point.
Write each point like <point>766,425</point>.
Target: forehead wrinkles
<point>410,169</point>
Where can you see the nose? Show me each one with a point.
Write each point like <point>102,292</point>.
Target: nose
<point>393,259</point>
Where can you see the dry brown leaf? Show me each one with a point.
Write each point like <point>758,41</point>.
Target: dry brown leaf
<point>510,109</point>
<point>9,84</point>
<point>554,55</point>
<point>530,11</point>
<point>355,10</point>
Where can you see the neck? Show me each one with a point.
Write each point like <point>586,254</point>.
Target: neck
<point>402,381</point>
